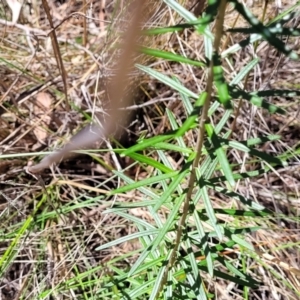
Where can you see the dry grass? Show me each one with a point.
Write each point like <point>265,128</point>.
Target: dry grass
<point>70,220</point>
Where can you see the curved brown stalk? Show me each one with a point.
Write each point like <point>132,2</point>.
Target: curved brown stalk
<point>107,127</point>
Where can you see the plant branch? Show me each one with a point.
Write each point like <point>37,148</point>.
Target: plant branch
<point>200,141</point>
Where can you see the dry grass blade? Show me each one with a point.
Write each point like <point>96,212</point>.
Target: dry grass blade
<point>57,53</point>
<point>94,133</point>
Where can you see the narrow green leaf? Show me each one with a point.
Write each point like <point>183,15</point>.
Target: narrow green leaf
<point>231,194</point>
<point>273,29</point>
<point>172,187</point>
<point>254,99</point>
<point>146,143</point>
<point>128,238</point>
<point>144,182</point>
<point>160,236</point>
<point>211,214</point>
<point>150,162</point>
<point>242,242</point>
<point>261,140</point>
<point>221,155</point>
<point>239,146</point>
<point>264,31</point>
<point>151,142</point>
<point>167,81</point>
<point>249,282</point>
<point>194,281</point>
<point>171,56</point>
<point>280,93</point>
<point>173,216</point>
<point>245,70</point>
<point>190,121</point>
<point>244,213</point>
<point>234,270</point>
<point>171,147</point>
<point>170,29</point>
<point>204,21</point>
<point>159,277</point>
<point>133,219</point>
<point>138,264</point>
<point>220,82</point>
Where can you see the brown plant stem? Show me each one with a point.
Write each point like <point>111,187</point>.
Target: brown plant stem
<point>200,141</point>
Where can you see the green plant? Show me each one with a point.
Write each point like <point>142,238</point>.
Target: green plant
<point>169,266</point>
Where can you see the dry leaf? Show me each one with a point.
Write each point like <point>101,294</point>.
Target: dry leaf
<point>282,264</point>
